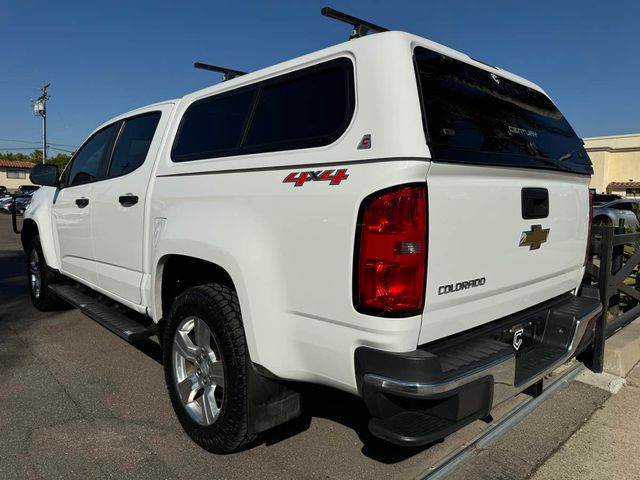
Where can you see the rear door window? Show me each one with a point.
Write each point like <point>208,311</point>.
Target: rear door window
<point>133,144</point>
<point>474,116</point>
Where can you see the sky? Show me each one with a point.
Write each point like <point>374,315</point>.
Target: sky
<point>105,58</point>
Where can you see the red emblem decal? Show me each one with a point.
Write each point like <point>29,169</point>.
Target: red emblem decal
<point>334,177</point>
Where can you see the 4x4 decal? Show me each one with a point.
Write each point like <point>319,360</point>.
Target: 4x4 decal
<point>334,177</point>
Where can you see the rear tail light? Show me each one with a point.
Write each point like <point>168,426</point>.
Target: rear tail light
<point>589,234</point>
<point>391,252</point>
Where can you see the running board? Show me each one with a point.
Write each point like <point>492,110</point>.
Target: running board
<point>109,316</point>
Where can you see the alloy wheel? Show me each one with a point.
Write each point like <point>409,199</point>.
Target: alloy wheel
<point>198,371</point>
<point>35,273</point>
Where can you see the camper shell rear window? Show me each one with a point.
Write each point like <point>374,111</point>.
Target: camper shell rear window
<point>474,116</point>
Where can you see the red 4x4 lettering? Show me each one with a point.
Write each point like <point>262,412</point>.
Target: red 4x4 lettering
<point>296,177</point>
<point>334,177</point>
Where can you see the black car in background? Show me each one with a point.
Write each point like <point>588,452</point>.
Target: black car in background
<point>27,189</point>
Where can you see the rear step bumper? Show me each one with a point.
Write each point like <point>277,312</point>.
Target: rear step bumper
<point>418,397</point>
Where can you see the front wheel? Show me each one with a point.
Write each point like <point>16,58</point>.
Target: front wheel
<point>205,364</point>
<point>40,277</point>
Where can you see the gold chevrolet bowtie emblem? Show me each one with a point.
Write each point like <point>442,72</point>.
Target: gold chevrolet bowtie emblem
<point>534,237</point>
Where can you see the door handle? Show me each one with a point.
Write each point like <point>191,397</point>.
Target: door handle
<point>128,200</point>
<point>82,202</point>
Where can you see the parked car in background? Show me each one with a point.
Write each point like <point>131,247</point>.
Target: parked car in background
<point>27,189</point>
<point>600,198</point>
<point>610,213</point>
<point>6,201</point>
<point>6,204</point>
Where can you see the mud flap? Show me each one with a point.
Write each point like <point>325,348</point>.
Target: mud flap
<point>271,402</point>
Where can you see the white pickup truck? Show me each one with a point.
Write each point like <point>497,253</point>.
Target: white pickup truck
<point>386,216</point>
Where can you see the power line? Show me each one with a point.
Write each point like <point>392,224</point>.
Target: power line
<point>36,143</point>
<point>9,149</point>
<point>49,147</point>
<point>61,150</point>
<point>16,140</point>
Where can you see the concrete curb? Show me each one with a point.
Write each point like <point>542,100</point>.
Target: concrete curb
<point>605,381</point>
<point>622,351</point>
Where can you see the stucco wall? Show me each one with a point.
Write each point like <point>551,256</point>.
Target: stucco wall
<point>615,159</point>
<point>13,183</point>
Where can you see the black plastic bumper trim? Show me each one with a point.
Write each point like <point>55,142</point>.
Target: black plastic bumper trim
<point>417,397</point>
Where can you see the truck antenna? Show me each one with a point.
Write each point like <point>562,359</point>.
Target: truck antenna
<point>360,27</point>
<point>227,73</point>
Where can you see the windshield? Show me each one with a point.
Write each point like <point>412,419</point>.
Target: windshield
<point>474,116</point>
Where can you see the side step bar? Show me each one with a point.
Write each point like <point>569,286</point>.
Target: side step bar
<point>110,317</point>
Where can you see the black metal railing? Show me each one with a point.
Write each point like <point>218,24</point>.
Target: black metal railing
<point>613,267</point>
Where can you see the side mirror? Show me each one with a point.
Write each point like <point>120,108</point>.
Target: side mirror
<point>46,175</point>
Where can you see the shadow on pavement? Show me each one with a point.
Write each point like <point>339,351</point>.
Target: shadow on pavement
<point>347,410</point>
<point>318,401</point>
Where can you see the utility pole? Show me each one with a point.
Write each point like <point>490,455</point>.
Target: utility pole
<point>40,108</point>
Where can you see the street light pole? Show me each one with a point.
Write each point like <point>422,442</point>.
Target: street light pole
<point>40,108</point>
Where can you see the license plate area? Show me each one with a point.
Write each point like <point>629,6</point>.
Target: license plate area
<point>539,342</point>
<point>540,329</point>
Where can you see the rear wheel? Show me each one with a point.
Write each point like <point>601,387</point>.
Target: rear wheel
<point>205,363</point>
<point>40,276</point>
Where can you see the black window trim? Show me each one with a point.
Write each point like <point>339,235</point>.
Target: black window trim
<point>312,142</point>
<point>104,172</point>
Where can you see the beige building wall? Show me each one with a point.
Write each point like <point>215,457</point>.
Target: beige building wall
<point>13,183</point>
<point>616,159</point>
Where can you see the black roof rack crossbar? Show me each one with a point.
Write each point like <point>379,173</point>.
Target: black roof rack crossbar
<point>360,27</point>
<point>227,73</point>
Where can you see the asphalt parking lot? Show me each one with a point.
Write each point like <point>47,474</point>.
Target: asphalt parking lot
<point>78,402</point>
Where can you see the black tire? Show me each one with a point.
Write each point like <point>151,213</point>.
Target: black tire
<point>42,298</point>
<point>218,307</point>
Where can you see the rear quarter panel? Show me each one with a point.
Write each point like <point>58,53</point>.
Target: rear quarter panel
<point>289,251</point>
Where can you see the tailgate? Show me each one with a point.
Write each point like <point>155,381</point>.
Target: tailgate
<point>500,148</point>
<point>485,260</point>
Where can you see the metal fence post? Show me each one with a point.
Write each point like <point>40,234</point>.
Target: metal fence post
<point>606,251</point>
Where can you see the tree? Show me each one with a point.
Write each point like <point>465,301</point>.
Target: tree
<point>15,157</point>
<point>36,156</point>
<point>61,159</point>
